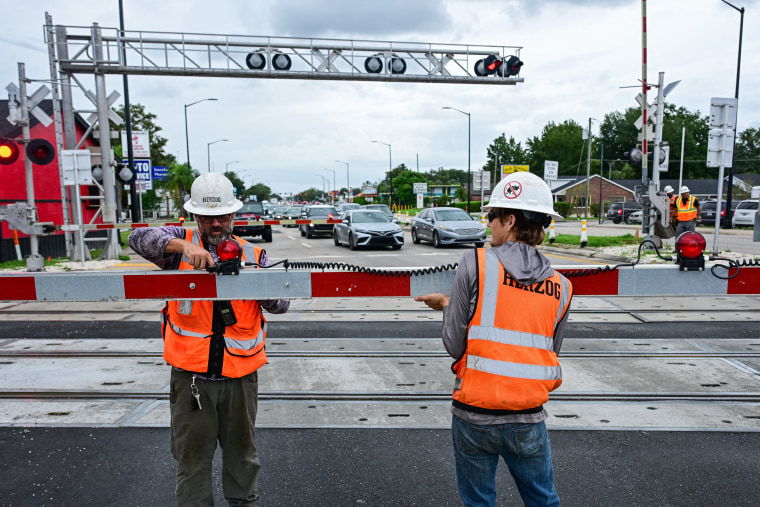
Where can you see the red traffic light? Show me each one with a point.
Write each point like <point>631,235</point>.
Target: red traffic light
<point>40,151</point>
<point>229,249</point>
<point>8,152</point>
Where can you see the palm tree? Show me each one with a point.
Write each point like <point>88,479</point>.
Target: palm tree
<point>178,181</point>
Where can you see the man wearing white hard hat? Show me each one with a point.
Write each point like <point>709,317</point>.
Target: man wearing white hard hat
<point>215,349</point>
<point>673,211</point>
<point>689,212</point>
<point>504,324</point>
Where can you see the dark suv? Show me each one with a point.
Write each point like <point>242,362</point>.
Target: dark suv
<point>620,211</point>
<point>252,211</point>
<point>318,212</point>
<point>708,212</point>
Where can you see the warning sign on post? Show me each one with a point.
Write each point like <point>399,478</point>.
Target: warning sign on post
<point>140,144</point>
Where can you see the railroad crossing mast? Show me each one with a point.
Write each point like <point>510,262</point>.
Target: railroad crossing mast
<point>100,51</point>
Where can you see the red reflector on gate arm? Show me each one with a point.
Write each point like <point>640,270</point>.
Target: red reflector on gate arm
<point>602,284</point>
<point>170,286</point>
<point>358,285</point>
<point>17,288</point>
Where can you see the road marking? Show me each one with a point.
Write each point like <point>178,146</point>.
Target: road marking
<point>306,245</point>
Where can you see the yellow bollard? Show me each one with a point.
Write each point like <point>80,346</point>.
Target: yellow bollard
<point>584,237</point>
<point>552,235</point>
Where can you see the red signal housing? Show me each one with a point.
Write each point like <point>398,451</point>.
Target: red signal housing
<point>8,152</point>
<point>228,250</point>
<point>690,247</point>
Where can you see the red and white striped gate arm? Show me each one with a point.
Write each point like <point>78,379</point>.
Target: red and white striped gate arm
<point>277,283</point>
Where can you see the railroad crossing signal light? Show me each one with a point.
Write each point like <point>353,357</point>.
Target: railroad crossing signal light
<point>512,66</point>
<point>634,156</point>
<point>40,152</point>
<point>256,60</point>
<point>281,61</point>
<point>373,65</point>
<point>97,173</point>
<point>8,152</point>
<point>489,65</point>
<point>690,247</point>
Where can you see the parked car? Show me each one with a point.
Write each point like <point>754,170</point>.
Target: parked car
<point>621,211</point>
<point>635,217</point>
<point>447,226</point>
<point>367,228</point>
<point>384,208</point>
<point>252,211</point>
<point>744,214</point>
<point>318,212</point>
<point>708,212</point>
<point>292,213</point>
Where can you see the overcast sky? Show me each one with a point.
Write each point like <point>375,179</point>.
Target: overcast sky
<point>285,133</point>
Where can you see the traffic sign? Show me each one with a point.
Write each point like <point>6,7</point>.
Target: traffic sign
<point>551,170</point>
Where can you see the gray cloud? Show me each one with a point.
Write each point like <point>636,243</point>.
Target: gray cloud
<point>349,18</point>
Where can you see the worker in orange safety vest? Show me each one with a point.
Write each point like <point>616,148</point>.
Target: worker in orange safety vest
<point>504,324</point>
<point>689,212</point>
<point>215,349</point>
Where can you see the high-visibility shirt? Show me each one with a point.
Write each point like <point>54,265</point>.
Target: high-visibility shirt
<point>509,365</point>
<point>673,208</point>
<point>188,334</point>
<point>687,211</point>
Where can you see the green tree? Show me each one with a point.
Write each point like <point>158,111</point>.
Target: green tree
<point>403,186</point>
<point>142,120</point>
<point>179,180</point>
<point>747,152</point>
<point>443,176</point>
<point>260,190</point>
<point>560,142</point>
<point>238,184</point>
<point>504,152</point>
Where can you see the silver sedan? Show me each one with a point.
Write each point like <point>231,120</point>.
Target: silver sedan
<point>367,228</point>
<point>447,226</point>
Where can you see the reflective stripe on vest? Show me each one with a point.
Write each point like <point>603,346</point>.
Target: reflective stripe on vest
<point>187,328</point>
<point>688,211</point>
<point>510,370</point>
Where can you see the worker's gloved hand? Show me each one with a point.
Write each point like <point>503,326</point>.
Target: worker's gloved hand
<point>699,221</point>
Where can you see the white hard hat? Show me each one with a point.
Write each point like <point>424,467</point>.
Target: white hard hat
<point>684,190</point>
<point>212,194</point>
<point>668,189</point>
<point>524,191</point>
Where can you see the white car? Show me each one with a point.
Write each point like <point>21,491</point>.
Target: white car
<point>745,212</point>
<point>635,217</point>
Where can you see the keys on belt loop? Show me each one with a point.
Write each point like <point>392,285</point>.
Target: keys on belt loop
<point>196,400</point>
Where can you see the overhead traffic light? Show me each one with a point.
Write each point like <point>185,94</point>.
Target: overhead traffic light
<point>512,66</point>
<point>8,152</point>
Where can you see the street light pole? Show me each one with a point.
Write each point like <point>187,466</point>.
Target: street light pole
<point>228,164</point>
<point>729,191</point>
<point>469,143</point>
<point>334,184</point>
<point>323,185</point>
<point>208,151</point>
<point>348,181</point>
<point>187,137</point>
<point>390,171</point>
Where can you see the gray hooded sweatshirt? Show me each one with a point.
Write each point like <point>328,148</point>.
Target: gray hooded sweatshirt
<point>526,265</point>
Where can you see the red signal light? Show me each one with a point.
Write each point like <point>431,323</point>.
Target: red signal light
<point>229,249</point>
<point>40,151</point>
<point>8,152</point>
<point>690,247</point>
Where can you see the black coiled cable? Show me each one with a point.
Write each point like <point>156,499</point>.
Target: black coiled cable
<point>362,269</point>
<point>604,269</point>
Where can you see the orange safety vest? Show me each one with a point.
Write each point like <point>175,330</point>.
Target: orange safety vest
<point>187,328</point>
<point>686,211</point>
<point>509,365</point>
<point>673,207</point>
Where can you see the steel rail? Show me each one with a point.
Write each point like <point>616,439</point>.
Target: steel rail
<point>726,397</point>
<point>373,354</point>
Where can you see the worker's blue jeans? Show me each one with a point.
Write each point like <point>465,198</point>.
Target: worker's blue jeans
<point>525,449</point>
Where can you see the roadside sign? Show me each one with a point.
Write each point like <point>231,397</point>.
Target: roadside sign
<point>419,188</point>
<point>716,112</point>
<point>551,170</point>
<point>142,168</point>
<point>159,172</point>
<point>76,167</point>
<point>140,144</point>
<point>509,169</point>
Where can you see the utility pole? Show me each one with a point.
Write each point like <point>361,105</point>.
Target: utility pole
<point>588,170</point>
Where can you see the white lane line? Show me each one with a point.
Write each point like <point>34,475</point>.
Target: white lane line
<point>306,245</point>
